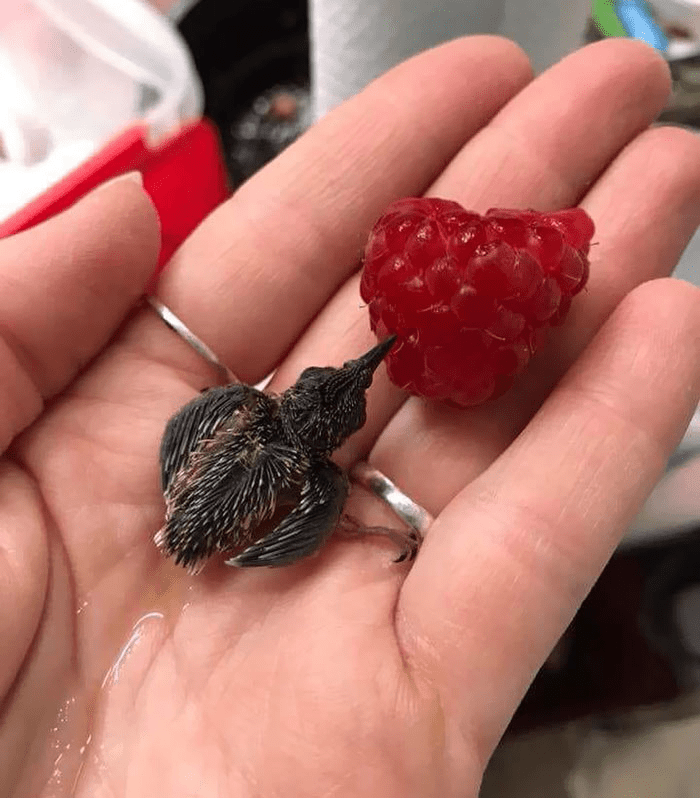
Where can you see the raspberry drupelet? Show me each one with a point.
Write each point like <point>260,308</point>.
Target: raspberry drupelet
<point>469,297</point>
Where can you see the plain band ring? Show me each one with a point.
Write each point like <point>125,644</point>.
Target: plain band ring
<point>403,506</point>
<point>178,326</point>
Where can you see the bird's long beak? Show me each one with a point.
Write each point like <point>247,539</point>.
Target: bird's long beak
<point>370,360</point>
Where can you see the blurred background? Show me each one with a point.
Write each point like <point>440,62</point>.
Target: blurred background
<point>200,94</point>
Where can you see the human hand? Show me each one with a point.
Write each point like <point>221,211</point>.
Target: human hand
<point>345,674</point>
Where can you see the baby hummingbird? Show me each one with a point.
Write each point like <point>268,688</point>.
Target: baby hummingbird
<point>249,474</point>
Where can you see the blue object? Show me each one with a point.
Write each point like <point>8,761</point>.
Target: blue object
<point>637,19</point>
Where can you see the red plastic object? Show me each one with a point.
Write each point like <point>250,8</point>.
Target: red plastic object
<point>184,176</point>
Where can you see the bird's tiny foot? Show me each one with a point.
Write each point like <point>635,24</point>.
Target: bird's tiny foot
<point>409,540</point>
<point>411,543</point>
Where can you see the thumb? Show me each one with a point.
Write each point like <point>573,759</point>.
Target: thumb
<point>65,286</point>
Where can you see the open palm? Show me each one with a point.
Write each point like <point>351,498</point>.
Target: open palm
<point>347,674</point>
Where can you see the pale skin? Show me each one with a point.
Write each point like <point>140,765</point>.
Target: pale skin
<point>344,675</point>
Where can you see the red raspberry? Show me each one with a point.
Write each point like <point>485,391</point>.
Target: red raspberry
<point>468,296</point>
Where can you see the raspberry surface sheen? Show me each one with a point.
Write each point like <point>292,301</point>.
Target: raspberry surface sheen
<point>469,296</point>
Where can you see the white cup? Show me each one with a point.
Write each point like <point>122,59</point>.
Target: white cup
<point>354,41</point>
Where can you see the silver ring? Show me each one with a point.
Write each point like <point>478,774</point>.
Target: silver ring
<point>403,506</point>
<point>178,326</point>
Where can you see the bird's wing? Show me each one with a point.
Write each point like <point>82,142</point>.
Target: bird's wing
<point>218,500</point>
<point>196,423</point>
<point>304,530</point>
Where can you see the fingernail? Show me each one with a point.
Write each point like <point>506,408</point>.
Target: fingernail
<point>132,177</point>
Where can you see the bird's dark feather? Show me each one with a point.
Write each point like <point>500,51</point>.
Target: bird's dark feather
<point>224,470</point>
<point>305,529</point>
<point>196,422</point>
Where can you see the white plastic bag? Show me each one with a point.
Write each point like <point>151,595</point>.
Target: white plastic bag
<point>75,73</point>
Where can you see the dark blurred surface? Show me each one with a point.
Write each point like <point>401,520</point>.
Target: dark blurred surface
<point>626,647</point>
<point>607,664</point>
<point>253,59</point>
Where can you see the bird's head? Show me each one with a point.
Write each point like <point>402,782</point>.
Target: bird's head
<point>326,404</point>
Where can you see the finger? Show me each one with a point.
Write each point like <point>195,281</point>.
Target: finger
<point>646,207</point>
<point>548,145</point>
<point>65,286</point>
<point>512,556</point>
<point>538,151</point>
<point>250,279</point>
<point>23,570</point>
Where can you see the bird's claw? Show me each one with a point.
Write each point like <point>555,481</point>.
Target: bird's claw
<point>411,544</point>
<point>408,539</point>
